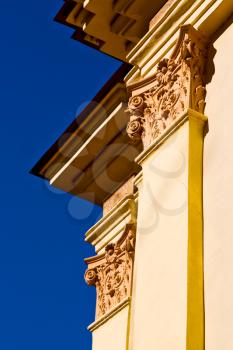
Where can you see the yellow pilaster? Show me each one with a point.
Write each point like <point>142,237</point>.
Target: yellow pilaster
<point>195,278</point>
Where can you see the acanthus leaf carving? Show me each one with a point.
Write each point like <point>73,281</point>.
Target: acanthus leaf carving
<point>111,272</point>
<point>177,85</point>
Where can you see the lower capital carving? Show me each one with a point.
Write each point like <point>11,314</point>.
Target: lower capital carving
<point>111,272</point>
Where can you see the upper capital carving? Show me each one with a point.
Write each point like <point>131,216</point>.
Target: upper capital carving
<point>178,84</point>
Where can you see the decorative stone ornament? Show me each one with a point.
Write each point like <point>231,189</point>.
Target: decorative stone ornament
<point>177,85</point>
<point>111,272</point>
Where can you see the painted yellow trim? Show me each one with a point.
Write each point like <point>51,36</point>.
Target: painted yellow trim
<point>195,278</point>
<point>128,327</point>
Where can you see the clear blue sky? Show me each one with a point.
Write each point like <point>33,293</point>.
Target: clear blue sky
<point>45,77</point>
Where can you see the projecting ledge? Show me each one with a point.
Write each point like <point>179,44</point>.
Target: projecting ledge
<point>111,226</point>
<point>93,158</point>
<point>93,326</point>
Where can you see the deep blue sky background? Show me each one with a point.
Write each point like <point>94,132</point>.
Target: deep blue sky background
<point>45,77</point>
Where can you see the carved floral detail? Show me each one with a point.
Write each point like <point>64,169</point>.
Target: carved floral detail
<point>135,128</point>
<point>136,103</point>
<point>111,272</point>
<point>91,277</point>
<point>177,85</point>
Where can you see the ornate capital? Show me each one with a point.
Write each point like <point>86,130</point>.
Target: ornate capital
<point>177,85</point>
<point>111,272</point>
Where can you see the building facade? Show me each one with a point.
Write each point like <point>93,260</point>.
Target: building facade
<point>154,151</point>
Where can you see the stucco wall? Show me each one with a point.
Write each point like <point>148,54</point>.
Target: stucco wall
<point>112,334</point>
<point>218,195</point>
<point>159,291</point>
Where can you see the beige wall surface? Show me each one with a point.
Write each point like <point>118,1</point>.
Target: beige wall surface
<point>159,292</point>
<point>218,195</point>
<point>112,334</point>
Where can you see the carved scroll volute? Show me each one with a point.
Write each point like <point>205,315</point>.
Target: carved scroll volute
<point>177,85</point>
<point>111,272</point>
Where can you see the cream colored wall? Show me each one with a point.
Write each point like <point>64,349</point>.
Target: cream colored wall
<point>112,334</point>
<point>218,197</point>
<point>159,292</point>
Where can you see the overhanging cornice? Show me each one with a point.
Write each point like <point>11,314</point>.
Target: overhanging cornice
<point>112,26</point>
<point>93,157</point>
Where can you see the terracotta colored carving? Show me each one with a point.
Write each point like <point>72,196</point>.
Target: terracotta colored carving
<point>177,85</point>
<point>111,272</point>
